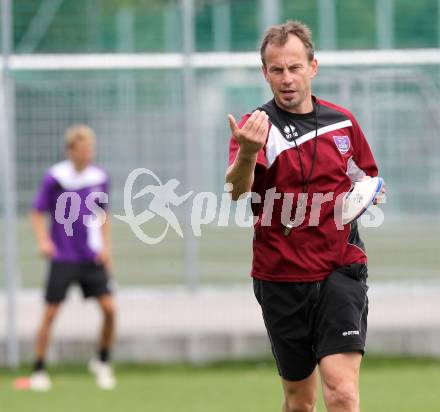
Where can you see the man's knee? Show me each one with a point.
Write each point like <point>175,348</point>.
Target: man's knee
<point>342,395</point>
<point>301,396</point>
<point>340,377</point>
<point>297,403</point>
<point>300,401</point>
<point>108,307</point>
<point>50,313</point>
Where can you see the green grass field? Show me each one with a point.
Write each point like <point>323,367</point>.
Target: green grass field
<point>391,385</point>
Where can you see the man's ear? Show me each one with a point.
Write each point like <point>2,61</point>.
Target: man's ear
<point>264,70</point>
<point>314,67</point>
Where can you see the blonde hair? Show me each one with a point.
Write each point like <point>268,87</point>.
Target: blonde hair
<point>279,35</point>
<point>78,133</point>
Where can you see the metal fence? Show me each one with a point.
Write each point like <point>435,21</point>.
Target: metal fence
<point>141,119</point>
<point>84,26</point>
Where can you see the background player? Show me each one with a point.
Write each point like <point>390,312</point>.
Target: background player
<point>82,256</point>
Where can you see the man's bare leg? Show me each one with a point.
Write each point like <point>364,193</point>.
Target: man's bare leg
<point>43,334</point>
<point>340,381</point>
<point>300,396</point>
<point>107,305</point>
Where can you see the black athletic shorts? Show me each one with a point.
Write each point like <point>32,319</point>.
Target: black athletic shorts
<point>306,321</point>
<point>91,277</point>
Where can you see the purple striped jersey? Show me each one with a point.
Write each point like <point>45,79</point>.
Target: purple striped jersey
<point>73,199</point>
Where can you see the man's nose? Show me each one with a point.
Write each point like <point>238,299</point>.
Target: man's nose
<point>287,77</point>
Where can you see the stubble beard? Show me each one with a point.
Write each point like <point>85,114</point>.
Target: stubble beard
<point>289,105</point>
